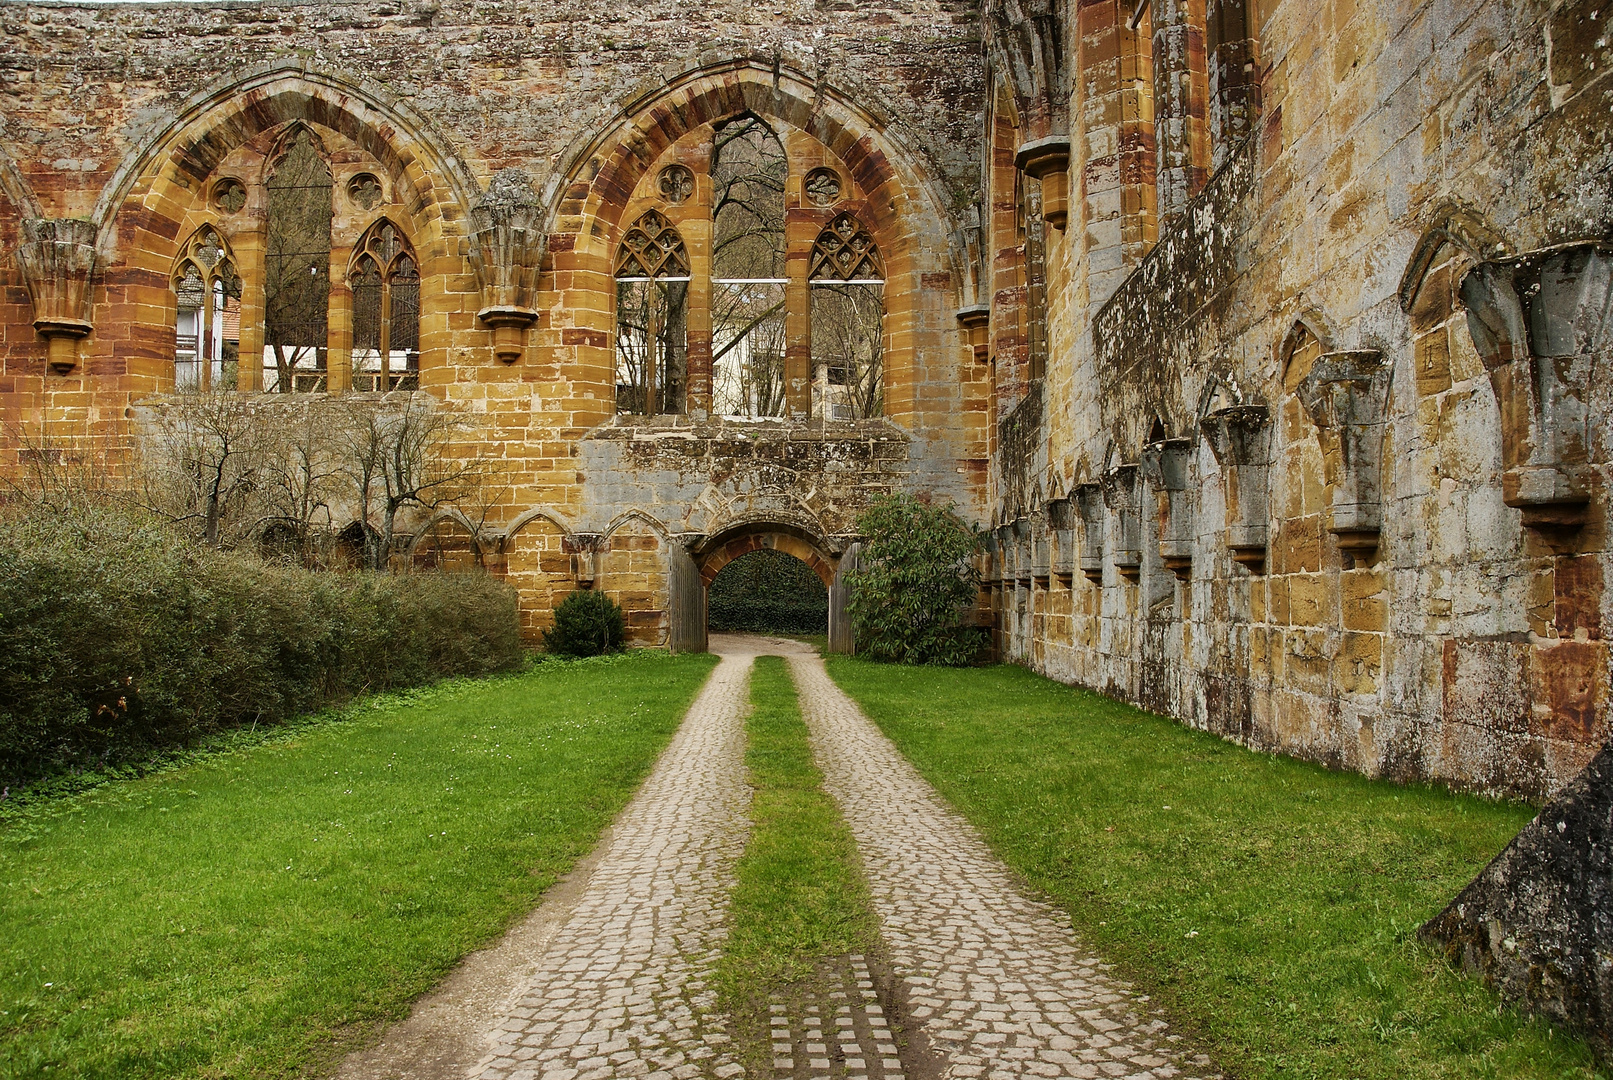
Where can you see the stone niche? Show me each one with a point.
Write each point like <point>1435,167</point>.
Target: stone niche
<point>1061,518</point>
<point>1346,396</point>
<point>1121,496</point>
<point>1167,465</point>
<point>1540,324</point>
<point>1041,550</point>
<point>1240,438</point>
<point>1089,505</point>
<point>1021,532</point>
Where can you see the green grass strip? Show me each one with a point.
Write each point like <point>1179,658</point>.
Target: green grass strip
<point>800,895</point>
<point>256,913</point>
<point>1267,903</point>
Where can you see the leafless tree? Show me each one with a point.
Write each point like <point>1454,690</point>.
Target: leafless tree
<point>202,466</point>
<point>303,474</point>
<point>397,453</point>
<point>748,171</point>
<point>846,342</point>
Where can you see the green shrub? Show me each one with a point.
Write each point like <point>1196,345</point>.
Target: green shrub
<point>768,592</point>
<point>587,623</point>
<point>914,584</point>
<point>117,640</point>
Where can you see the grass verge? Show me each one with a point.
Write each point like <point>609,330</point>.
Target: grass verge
<point>1267,903</point>
<point>799,895</point>
<point>255,913</point>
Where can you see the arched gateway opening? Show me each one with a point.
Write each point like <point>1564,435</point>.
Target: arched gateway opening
<point>767,592</point>
<point>696,568</point>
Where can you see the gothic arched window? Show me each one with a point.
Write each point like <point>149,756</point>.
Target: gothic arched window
<point>297,268</point>
<point>652,317</point>
<point>847,279</point>
<point>385,279</point>
<point>208,326</point>
<point>748,172</point>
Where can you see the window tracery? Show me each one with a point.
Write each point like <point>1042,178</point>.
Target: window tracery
<point>297,268</point>
<point>848,306</point>
<point>652,248</point>
<point>845,252</point>
<point>208,324</point>
<point>748,319</point>
<point>676,184</point>
<point>822,187</point>
<point>385,280</point>
<point>652,309</point>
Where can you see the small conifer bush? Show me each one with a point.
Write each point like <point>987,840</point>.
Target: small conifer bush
<point>587,623</point>
<point>915,584</point>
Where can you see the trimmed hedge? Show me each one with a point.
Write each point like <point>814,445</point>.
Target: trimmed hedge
<point>117,640</point>
<point>767,591</point>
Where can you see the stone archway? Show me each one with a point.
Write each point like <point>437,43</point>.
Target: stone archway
<point>695,566</point>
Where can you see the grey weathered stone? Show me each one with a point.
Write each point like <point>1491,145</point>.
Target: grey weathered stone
<point>1537,923</point>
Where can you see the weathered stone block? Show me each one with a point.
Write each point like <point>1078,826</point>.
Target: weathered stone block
<point>1537,923</point>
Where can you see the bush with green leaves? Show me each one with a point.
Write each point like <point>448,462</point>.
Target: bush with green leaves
<point>767,592</point>
<point>915,584</point>
<point>586,623</point>
<point>118,640</point>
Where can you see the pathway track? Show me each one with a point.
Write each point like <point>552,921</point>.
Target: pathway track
<point>609,977</point>
<point>622,988</point>
<point>995,979</point>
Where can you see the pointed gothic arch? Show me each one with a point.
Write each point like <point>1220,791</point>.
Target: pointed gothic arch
<point>652,312</point>
<point>207,321</point>
<point>847,278</point>
<point>384,276</point>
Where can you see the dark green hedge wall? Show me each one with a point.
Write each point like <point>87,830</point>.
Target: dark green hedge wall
<point>117,639</point>
<point>768,592</point>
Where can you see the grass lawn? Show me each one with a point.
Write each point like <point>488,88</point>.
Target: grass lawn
<point>256,913</point>
<point>1268,904</point>
<point>799,894</point>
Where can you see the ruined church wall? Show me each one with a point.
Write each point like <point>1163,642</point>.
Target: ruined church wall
<point>128,114</point>
<point>1467,647</point>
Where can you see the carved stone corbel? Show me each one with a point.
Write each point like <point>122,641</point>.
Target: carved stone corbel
<point>1167,465</point>
<point>975,321</point>
<point>506,248</point>
<point>1048,160</point>
<point>1240,438</point>
<point>1540,364</point>
<point>57,260</point>
<point>585,550</point>
<point>1120,495</point>
<point>1346,396</point>
<point>1089,503</point>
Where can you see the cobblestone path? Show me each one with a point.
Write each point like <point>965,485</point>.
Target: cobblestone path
<point>621,990</point>
<point>995,980</point>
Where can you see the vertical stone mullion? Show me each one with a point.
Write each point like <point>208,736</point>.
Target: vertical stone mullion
<point>798,319</point>
<point>339,326</point>
<point>250,262</point>
<point>697,241</point>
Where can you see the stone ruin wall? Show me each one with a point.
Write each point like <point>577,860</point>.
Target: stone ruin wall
<point>1315,282</point>
<point>118,119</point>
<point>1100,409</point>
